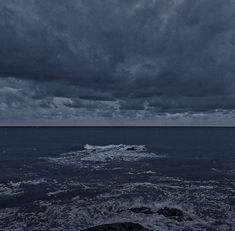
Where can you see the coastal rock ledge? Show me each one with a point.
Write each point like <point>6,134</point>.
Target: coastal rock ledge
<point>118,227</point>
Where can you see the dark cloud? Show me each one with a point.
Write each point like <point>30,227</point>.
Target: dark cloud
<point>116,59</point>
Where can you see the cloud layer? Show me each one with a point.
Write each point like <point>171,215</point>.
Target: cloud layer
<point>116,59</point>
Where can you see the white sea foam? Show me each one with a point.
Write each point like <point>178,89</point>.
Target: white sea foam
<point>121,147</point>
<point>27,182</point>
<point>56,192</point>
<point>114,207</point>
<point>97,200</point>
<point>226,172</point>
<point>14,188</point>
<point>7,190</point>
<point>104,154</point>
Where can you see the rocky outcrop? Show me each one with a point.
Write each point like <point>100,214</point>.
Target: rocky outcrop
<point>170,213</point>
<point>144,210</point>
<point>131,149</point>
<point>118,227</point>
<point>173,213</point>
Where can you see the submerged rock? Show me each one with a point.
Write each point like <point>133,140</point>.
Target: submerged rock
<point>170,213</point>
<point>144,210</point>
<point>173,213</point>
<point>118,227</point>
<point>131,149</point>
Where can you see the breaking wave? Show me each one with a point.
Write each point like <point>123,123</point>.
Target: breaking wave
<point>114,183</point>
<point>105,155</point>
<point>121,147</point>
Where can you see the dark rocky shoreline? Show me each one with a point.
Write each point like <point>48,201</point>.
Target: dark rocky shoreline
<point>170,213</point>
<point>118,227</point>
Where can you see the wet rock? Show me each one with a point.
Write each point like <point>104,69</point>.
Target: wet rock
<point>131,149</point>
<point>173,213</point>
<point>144,210</point>
<point>118,227</point>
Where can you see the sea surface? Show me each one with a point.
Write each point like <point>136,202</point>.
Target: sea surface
<point>72,178</point>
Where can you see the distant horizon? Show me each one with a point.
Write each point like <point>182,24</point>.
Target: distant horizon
<point>157,126</point>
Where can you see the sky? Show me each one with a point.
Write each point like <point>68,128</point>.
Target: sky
<point>117,62</point>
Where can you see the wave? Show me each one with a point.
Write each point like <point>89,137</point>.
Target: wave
<point>230,172</point>
<point>92,155</point>
<point>79,214</point>
<point>16,188</point>
<point>116,183</point>
<point>121,147</point>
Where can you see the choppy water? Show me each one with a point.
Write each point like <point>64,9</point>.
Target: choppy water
<point>75,178</point>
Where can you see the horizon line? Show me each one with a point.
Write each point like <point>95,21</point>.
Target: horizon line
<point>157,126</point>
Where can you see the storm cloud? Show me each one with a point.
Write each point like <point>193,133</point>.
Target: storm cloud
<point>145,59</point>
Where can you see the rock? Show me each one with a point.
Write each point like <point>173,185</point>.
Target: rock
<point>144,210</point>
<point>173,213</point>
<point>131,149</point>
<point>118,227</point>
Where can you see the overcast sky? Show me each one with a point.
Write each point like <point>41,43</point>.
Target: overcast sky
<point>120,62</point>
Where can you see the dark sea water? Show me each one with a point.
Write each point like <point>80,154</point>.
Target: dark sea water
<point>72,178</point>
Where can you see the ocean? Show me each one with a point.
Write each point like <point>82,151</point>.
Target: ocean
<point>73,178</point>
